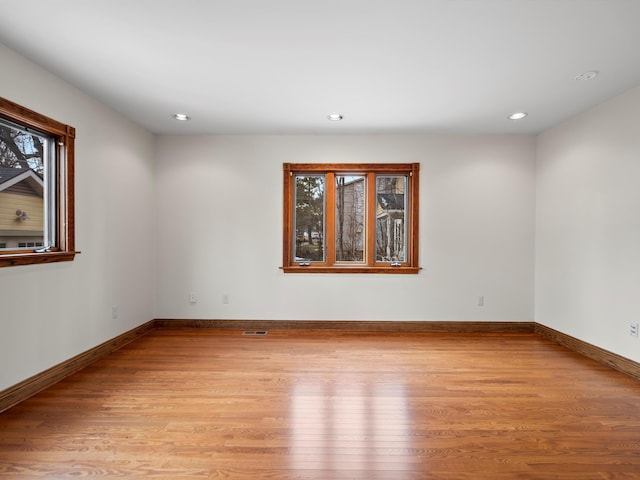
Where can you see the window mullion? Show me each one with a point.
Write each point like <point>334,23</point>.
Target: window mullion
<point>371,219</point>
<point>330,219</point>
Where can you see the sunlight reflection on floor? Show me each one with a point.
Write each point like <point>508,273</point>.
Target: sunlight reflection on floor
<point>348,425</point>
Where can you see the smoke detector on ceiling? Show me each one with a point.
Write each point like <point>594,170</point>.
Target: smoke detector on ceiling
<point>590,75</point>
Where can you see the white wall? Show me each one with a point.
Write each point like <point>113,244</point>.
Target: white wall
<point>49,313</point>
<point>588,226</point>
<point>219,202</point>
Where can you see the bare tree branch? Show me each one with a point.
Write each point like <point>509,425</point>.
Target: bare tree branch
<point>12,149</point>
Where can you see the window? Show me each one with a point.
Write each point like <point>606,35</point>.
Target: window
<point>356,218</point>
<point>36,187</point>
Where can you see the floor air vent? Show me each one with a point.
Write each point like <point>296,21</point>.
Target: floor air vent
<point>255,333</point>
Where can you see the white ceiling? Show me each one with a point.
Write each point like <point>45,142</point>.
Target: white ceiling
<point>281,66</point>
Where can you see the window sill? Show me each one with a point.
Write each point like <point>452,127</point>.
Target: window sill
<point>354,269</point>
<point>12,260</point>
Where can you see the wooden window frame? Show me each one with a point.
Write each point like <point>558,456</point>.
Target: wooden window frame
<point>410,266</point>
<point>64,137</point>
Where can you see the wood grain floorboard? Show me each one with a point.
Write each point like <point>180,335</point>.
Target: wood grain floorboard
<point>324,405</point>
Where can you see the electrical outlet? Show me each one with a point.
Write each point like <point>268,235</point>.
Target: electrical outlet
<point>633,329</point>
<point>114,312</point>
<point>481,301</point>
<point>193,297</point>
<point>225,299</point>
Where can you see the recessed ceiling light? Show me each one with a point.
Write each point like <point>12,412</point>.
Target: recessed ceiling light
<point>518,116</point>
<point>335,117</point>
<point>590,75</point>
<point>182,117</point>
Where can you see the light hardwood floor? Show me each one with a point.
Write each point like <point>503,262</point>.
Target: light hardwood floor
<point>210,404</point>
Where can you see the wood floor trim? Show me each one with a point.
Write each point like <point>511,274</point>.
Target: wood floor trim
<point>350,325</point>
<point>598,354</point>
<point>29,387</point>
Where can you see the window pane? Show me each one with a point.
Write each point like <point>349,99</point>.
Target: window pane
<point>23,187</point>
<point>350,216</point>
<point>309,218</point>
<point>391,218</point>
